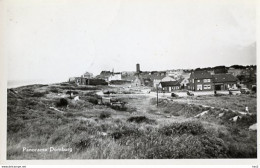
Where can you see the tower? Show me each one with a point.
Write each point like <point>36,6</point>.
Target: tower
<point>138,68</point>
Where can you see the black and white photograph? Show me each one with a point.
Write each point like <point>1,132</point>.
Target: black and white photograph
<point>130,79</point>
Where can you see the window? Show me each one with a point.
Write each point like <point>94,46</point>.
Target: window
<point>206,80</point>
<point>207,86</point>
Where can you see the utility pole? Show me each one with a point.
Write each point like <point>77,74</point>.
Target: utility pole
<point>157,94</point>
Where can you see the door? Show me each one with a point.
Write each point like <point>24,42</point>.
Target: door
<point>199,87</point>
<point>217,87</point>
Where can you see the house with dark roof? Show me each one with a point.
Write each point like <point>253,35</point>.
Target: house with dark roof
<point>104,75</point>
<point>169,86</point>
<point>224,81</point>
<point>200,81</point>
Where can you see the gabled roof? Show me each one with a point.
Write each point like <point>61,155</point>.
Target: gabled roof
<point>200,75</point>
<point>217,78</point>
<point>170,83</point>
<point>183,79</point>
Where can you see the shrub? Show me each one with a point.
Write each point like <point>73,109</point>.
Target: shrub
<point>93,100</point>
<point>65,84</point>
<point>83,143</point>
<point>120,134</point>
<point>228,115</point>
<point>213,147</point>
<point>74,92</point>
<point>104,115</point>
<point>63,102</point>
<point>247,120</point>
<point>126,132</point>
<point>140,119</point>
<point>191,127</point>
<point>118,107</point>
<point>240,150</point>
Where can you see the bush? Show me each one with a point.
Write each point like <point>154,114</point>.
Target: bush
<point>228,115</point>
<point>213,147</point>
<point>140,119</point>
<point>125,133</point>
<point>247,120</point>
<point>93,100</point>
<point>190,127</point>
<point>63,102</point>
<point>120,107</point>
<point>83,141</point>
<point>104,115</point>
<point>240,150</point>
<point>74,92</point>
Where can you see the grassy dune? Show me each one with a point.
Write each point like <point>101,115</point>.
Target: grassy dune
<point>140,131</point>
<point>234,102</point>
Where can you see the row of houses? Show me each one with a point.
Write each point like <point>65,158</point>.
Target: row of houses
<point>87,79</point>
<point>198,80</point>
<point>201,81</point>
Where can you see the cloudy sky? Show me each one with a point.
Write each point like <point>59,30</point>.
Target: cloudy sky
<point>55,39</point>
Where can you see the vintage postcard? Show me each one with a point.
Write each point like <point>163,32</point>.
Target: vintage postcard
<point>124,81</point>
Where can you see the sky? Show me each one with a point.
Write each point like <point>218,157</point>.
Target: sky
<point>53,40</point>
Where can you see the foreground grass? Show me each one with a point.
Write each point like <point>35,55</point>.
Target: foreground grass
<point>142,131</point>
<point>232,102</point>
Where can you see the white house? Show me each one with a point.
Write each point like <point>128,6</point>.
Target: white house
<point>115,76</point>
